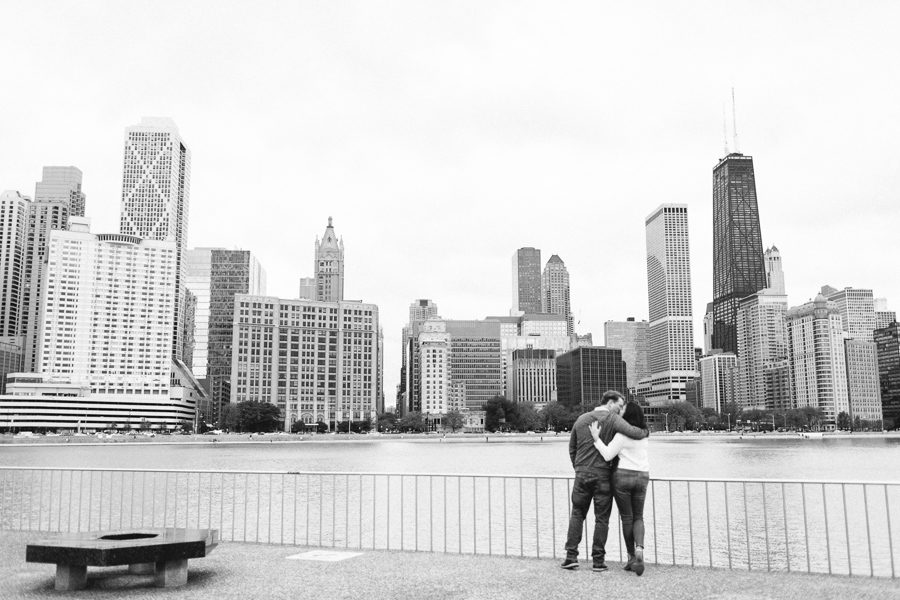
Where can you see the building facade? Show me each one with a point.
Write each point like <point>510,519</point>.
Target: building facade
<point>156,180</point>
<point>584,374</point>
<point>526,281</point>
<point>717,380</point>
<point>763,380</point>
<point>316,361</point>
<point>857,309</point>
<point>630,337</point>
<point>216,276</point>
<point>863,384</point>
<point>883,316</point>
<point>670,329</point>
<point>476,362</point>
<point>534,376</point>
<point>738,264</point>
<point>555,291</point>
<point>817,362</point>
<point>408,397</point>
<point>529,332</point>
<point>14,209</point>
<point>434,350</point>
<point>56,196</point>
<point>887,347</point>
<point>329,266</point>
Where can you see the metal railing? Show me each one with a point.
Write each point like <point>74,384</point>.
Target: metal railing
<point>774,525</point>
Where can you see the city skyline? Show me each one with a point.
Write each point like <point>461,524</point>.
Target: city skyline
<point>544,138</point>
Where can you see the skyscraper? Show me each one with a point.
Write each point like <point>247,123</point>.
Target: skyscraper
<point>329,266</point>
<point>526,281</point>
<point>555,297</point>
<point>717,379</point>
<point>671,331</point>
<point>738,264</point>
<point>215,276</point>
<point>883,316</point>
<point>774,273</point>
<point>763,374</point>
<point>57,197</point>
<point>155,197</point>
<point>584,374</point>
<point>887,344</point>
<point>13,236</point>
<point>476,363</point>
<point>817,362</point>
<point>857,309</point>
<point>863,385</point>
<point>420,311</point>
<point>630,337</point>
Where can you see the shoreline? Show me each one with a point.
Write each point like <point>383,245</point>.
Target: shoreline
<point>245,438</point>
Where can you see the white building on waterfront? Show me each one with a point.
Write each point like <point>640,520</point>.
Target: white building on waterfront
<point>717,379</point>
<point>863,384</point>
<point>763,375</point>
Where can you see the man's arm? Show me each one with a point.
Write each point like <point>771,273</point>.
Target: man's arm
<point>573,446</point>
<point>619,425</point>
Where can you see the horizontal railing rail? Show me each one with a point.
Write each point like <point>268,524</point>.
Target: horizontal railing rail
<point>754,524</point>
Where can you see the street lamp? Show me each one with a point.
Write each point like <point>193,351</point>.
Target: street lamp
<point>667,422</point>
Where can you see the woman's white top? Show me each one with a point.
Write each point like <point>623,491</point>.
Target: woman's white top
<point>632,453</point>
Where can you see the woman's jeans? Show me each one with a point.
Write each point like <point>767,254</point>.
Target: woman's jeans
<point>631,490</point>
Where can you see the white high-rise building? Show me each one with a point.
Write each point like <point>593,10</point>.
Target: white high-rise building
<point>717,379</point>
<point>534,376</point>
<point>155,198</point>
<point>817,363</point>
<point>857,309</point>
<point>57,197</point>
<point>672,360</point>
<point>13,237</point>
<point>329,266</point>
<point>774,273</point>
<point>434,357</point>
<point>555,294</point>
<point>763,378</point>
<point>630,337</point>
<point>106,329</point>
<point>316,361</point>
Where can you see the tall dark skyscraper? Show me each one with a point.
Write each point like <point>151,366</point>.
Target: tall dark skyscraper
<point>738,265</point>
<point>526,280</point>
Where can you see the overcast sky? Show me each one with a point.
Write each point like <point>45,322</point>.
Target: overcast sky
<point>441,136</point>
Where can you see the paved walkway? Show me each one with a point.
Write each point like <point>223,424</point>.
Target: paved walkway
<point>245,571</point>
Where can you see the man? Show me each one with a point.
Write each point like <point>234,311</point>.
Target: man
<point>593,477</point>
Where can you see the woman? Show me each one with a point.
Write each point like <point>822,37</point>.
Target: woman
<point>630,480</point>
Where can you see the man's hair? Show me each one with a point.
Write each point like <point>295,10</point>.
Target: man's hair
<point>612,396</point>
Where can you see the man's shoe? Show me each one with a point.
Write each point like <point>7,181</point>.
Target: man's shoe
<point>570,563</point>
<point>628,566</point>
<point>600,566</point>
<point>638,566</point>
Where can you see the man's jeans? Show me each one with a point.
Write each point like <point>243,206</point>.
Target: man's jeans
<point>596,486</point>
<point>631,491</point>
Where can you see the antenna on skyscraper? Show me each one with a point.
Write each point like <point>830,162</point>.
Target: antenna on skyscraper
<point>734,121</point>
<point>724,131</point>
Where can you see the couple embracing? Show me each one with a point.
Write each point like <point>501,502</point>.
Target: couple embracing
<point>609,454</point>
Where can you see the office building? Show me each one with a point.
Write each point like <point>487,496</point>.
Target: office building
<point>316,361</point>
<point>215,276</point>
<point>14,209</point>
<point>526,281</point>
<point>307,288</point>
<point>434,351</point>
<point>409,398</point>
<point>156,198</point>
<point>857,309</point>
<point>329,266</point>
<point>738,265</point>
<point>476,363</point>
<point>630,337</point>
<point>584,374</point>
<point>530,332</point>
<point>717,380</point>
<point>887,347</point>
<point>670,331</point>
<point>883,316</point>
<point>708,329</point>
<point>57,196</point>
<point>534,376</point>
<point>863,384</point>
<point>763,379</point>
<point>817,362</point>
<point>774,272</point>
<point>555,295</point>
<point>10,359</point>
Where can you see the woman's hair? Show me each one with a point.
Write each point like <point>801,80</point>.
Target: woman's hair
<point>634,415</point>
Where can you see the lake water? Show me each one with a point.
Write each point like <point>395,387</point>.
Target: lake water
<point>863,458</point>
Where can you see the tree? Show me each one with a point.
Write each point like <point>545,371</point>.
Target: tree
<point>527,418</point>
<point>843,420</point>
<point>454,420</point>
<point>558,417</point>
<point>500,414</point>
<point>412,422</point>
<point>386,421</point>
<point>682,415</point>
<point>731,412</point>
<point>254,417</point>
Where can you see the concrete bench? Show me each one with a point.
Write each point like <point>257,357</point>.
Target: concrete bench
<point>163,551</point>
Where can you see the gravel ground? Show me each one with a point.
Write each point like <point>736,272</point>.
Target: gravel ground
<point>261,571</point>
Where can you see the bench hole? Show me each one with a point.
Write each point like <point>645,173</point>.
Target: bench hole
<point>128,536</point>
